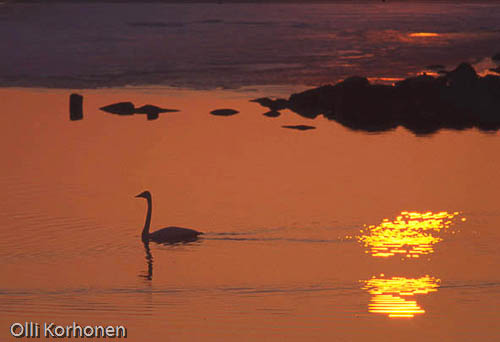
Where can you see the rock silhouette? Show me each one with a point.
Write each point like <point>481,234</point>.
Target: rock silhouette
<point>121,108</point>
<point>150,109</point>
<point>299,127</point>
<point>75,107</point>
<point>128,108</point>
<point>496,57</point>
<point>224,112</point>
<point>273,105</point>
<point>152,112</point>
<point>272,114</point>
<point>459,99</point>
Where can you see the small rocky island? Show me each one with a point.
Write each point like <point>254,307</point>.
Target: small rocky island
<point>424,104</point>
<point>128,108</point>
<point>224,112</point>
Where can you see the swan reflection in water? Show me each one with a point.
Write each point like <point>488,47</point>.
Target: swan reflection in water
<point>394,296</point>
<point>149,260</point>
<point>148,275</point>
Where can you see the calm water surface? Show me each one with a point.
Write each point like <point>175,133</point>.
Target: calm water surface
<point>327,235</point>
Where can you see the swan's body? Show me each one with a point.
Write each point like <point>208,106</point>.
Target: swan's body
<point>168,234</point>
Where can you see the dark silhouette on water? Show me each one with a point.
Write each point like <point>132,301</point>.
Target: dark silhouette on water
<point>150,109</point>
<point>272,114</point>
<point>120,108</point>
<point>299,127</point>
<point>153,112</point>
<point>148,275</point>
<point>168,234</point>
<point>224,112</point>
<point>128,108</point>
<point>424,104</point>
<point>75,107</point>
<point>274,105</point>
<point>149,260</point>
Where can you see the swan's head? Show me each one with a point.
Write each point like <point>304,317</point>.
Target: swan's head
<point>145,194</point>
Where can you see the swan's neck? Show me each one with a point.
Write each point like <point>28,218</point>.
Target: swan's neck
<point>147,224</point>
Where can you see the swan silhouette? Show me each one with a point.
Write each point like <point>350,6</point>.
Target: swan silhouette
<point>168,234</point>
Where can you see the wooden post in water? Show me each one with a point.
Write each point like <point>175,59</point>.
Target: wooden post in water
<point>75,107</point>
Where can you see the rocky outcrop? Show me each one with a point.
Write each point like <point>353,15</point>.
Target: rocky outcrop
<point>423,104</point>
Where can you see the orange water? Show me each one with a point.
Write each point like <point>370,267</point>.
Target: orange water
<point>283,257</point>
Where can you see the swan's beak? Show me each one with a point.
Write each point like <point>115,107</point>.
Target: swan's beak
<point>140,195</point>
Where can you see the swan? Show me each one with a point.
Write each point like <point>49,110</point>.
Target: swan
<point>168,234</point>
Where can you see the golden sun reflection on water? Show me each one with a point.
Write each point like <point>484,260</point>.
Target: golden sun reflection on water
<point>388,294</point>
<point>424,34</point>
<point>410,235</point>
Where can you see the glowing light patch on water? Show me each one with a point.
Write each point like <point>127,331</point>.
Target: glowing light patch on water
<point>410,235</point>
<point>388,295</point>
<point>424,34</point>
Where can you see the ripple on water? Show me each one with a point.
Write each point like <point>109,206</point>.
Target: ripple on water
<point>138,301</point>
